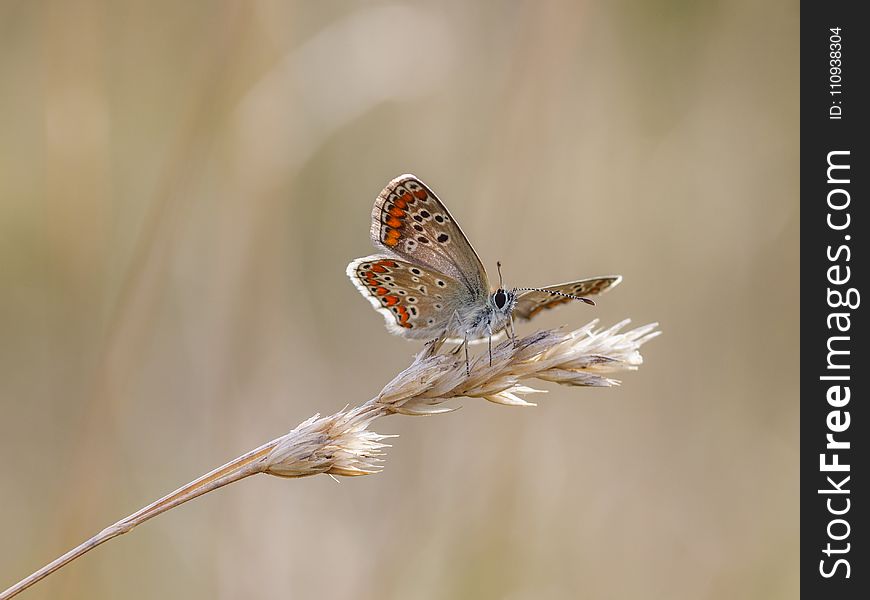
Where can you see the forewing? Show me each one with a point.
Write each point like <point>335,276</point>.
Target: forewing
<point>532,302</point>
<point>416,302</point>
<point>410,221</point>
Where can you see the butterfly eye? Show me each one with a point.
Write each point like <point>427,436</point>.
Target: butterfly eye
<point>500,299</point>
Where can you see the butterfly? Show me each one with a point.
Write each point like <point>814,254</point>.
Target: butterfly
<point>429,283</point>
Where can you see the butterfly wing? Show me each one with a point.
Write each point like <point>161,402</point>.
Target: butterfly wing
<point>416,302</point>
<point>411,222</point>
<point>532,302</point>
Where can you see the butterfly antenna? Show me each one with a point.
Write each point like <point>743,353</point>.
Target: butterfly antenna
<point>555,293</point>
<point>500,282</point>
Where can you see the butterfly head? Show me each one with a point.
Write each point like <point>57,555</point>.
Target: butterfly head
<point>503,301</point>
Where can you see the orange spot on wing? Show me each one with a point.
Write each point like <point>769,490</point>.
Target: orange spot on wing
<point>381,291</point>
<point>393,222</point>
<point>388,263</point>
<point>397,212</point>
<point>391,300</point>
<point>392,237</point>
<point>421,194</point>
<point>378,268</point>
<point>402,202</point>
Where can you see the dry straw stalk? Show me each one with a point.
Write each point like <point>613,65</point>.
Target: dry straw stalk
<point>342,444</point>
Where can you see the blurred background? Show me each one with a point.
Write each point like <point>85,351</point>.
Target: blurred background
<point>182,185</point>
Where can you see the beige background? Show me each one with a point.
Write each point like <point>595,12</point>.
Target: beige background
<point>182,185</point>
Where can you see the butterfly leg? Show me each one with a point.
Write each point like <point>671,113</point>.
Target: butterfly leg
<point>489,330</point>
<point>446,335</point>
<point>511,332</point>
<point>467,364</point>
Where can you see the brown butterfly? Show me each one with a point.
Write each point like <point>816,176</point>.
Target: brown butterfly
<point>429,282</point>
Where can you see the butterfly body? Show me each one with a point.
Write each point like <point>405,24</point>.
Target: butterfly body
<point>479,321</point>
<point>429,282</point>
